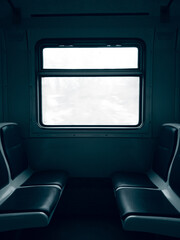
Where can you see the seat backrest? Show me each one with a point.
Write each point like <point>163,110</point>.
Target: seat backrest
<point>174,178</point>
<point>165,150</point>
<point>4,176</point>
<point>13,148</point>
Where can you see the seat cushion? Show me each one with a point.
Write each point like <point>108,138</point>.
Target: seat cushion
<point>32,199</point>
<point>131,180</point>
<point>47,178</point>
<point>144,202</point>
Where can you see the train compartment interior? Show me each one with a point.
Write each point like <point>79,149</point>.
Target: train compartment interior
<point>89,119</point>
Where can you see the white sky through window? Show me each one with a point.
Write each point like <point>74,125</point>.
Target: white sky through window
<point>90,58</point>
<point>90,100</point>
<point>93,98</point>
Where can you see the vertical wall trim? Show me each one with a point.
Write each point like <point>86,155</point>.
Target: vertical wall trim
<point>177,76</point>
<point>4,79</point>
<point>28,76</point>
<point>1,76</point>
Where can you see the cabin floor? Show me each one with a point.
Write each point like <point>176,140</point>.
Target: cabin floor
<point>87,211</point>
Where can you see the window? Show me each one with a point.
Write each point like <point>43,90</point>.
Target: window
<point>90,84</point>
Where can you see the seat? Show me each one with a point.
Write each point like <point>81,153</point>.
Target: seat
<point>163,157</point>
<point>147,210</point>
<point>153,210</point>
<point>27,199</point>
<point>52,177</point>
<point>131,179</point>
<point>17,160</point>
<point>144,202</point>
<point>28,207</point>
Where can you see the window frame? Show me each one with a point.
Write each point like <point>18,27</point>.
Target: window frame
<point>132,72</point>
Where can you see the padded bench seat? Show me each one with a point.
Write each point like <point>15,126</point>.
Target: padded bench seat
<point>131,179</point>
<point>146,208</point>
<point>144,202</point>
<point>163,157</point>
<point>53,177</point>
<point>31,199</point>
<point>27,198</point>
<point>28,207</point>
<point>148,211</point>
<point>17,160</point>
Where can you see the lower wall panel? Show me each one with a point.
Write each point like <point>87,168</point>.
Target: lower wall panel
<point>90,157</point>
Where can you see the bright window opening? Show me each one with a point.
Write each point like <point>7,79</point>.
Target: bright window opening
<point>90,86</point>
<point>90,58</point>
<point>90,100</point>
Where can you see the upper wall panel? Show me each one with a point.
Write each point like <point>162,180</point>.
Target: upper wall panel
<point>32,8</point>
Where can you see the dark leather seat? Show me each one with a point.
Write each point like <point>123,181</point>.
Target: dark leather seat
<point>30,203</point>
<point>32,199</point>
<point>144,202</point>
<point>53,177</point>
<point>28,207</point>
<point>165,150</point>
<point>153,210</point>
<point>13,149</point>
<point>130,179</point>
<point>162,160</point>
<point>17,160</point>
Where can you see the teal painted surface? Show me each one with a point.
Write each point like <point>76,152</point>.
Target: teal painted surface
<point>91,156</point>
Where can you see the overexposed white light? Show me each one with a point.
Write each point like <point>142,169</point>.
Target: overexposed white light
<point>90,100</point>
<point>90,58</point>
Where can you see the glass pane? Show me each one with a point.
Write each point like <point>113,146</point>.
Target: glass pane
<point>90,100</point>
<point>90,58</point>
